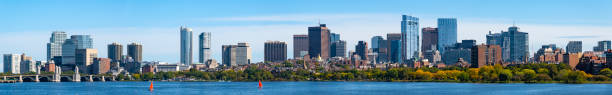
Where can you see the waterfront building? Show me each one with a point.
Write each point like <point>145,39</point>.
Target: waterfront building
<point>12,63</point>
<point>101,65</point>
<point>410,36</point>
<point>362,50</point>
<point>338,49</point>
<point>186,45</point>
<point>275,51</point>
<point>300,46</point>
<point>459,50</point>
<point>204,49</point>
<point>572,59</point>
<point>334,37</point>
<point>430,39</point>
<point>602,45</point>
<point>375,43</point>
<point>483,55</point>
<point>318,39</point>
<point>379,48</point>
<point>115,51</point>
<point>574,47</point>
<point>135,51</point>
<point>54,47</point>
<point>549,54</point>
<point>447,33</point>
<point>84,58</point>
<point>27,64</point>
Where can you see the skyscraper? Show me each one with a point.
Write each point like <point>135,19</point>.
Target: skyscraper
<point>447,33</point>
<point>602,45</point>
<point>410,36</point>
<point>430,39</point>
<point>115,51</point>
<point>186,43</point>
<point>275,51</point>
<point>73,44</point>
<point>318,39</point>
<point>574,47</point>
<point>375,43</point>
<point>54,47</point>
<point>362,50</point>
<point>135,51</point>
<point>514,44</point>
<point>300,45</point>
<point>338,49</point>
<point>394,47</point>
<point>234,55</point>
<point>204,47</point>
<point>11,63</point>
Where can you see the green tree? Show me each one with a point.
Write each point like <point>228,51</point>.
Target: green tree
<point>606,72</point>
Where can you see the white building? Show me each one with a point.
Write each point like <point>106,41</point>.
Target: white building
<point>11,63</point>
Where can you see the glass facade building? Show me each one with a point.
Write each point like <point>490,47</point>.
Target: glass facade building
<point>186,43</point>
<point>204,50</point>
<point>447,33</point>
<point>410,36</point>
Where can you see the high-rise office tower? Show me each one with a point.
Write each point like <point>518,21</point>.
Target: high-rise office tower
<point>430,39</point>
<point>204,49</point>
<point>54,47</point>
<point>514,44</point>
<point>234,55</point>
<point>602,45</point>
<point>410,36</point>
<point>338,49</point>
<point>73,44</point>
<point>379,48</point>
<point>186,49</point>
<point>362,50</point>
<point>275,51</point>
<point>11,63</point>
<point>300,46</point>
<point>318,39</point>
<point>84,59</point>
<point>243,54</point>
<point>574,47</point>
<point>447,33</point>
<point>135,51</point>
<point>394,47</point>
<point>228,55</point>
<point>115,51</point>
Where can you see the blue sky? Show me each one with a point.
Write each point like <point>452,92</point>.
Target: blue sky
<point>26,25</point>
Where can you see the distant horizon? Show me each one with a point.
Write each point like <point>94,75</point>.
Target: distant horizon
<point>27,26</point>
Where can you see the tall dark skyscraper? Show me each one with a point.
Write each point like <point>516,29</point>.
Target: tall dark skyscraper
<point>334,37</point>
<point>394,47</point>
<point>275,51</point>
<point>135,51</point>
<point>115,51</point>
<point>300,45</point>
<point>362,50</point>
<point>318,39</point>
<point>338,48</point>
<point>574,47</point>
<point>430,39</point>
<point>447,33</point>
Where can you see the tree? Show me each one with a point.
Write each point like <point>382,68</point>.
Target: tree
<point>606,72</point>
<point>505,75</point>
<point>530,75</point>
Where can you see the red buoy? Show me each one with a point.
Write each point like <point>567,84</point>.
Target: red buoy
<point>260,84</point>
<point>151,87</point>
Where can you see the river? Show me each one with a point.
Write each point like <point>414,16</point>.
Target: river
<point>300,88</point>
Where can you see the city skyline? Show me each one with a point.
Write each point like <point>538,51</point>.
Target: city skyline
<point>286,24</point>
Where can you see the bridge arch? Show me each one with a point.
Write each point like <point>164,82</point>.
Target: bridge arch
<point>66,79</point>
<point>29,79</point>
<point>45,79</point>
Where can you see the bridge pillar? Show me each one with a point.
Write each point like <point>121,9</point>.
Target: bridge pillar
<point>90,78</point>
<point>76,77</point>
<point>57,76</point>
<point>36,79</point>
<point>114,78</point>
<point>103,80</point>
<point>4,78</point>
<point>20,78</point>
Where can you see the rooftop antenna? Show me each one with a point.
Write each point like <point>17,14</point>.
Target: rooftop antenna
<point>513,23</point>
<point>319,21</point>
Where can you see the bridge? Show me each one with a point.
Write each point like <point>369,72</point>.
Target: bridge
<point>58,77</point>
